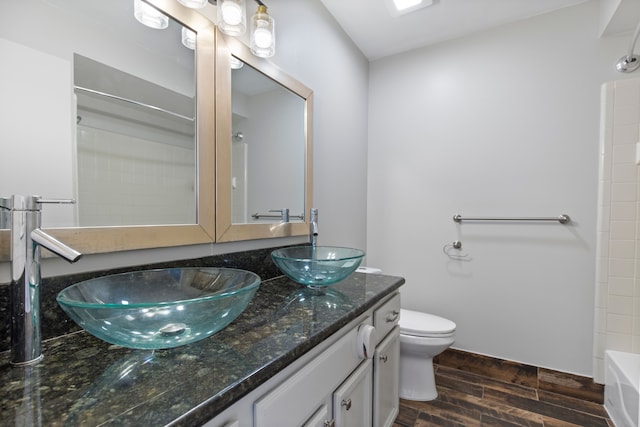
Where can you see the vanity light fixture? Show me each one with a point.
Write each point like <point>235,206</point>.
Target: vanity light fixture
<point>232,17</point>
<point>188,38</point>
<point>263,34</point>
<point>194,4</point>
<point>149,16</point>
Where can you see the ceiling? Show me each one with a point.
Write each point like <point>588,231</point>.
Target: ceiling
<point>370,25</point>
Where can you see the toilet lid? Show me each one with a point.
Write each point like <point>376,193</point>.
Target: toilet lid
<point>424,324</point>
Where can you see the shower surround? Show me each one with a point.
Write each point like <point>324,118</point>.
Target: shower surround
<point>617,305</point>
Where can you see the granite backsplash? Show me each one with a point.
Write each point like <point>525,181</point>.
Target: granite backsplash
<point>56,323</point>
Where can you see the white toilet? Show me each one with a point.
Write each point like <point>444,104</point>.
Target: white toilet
<point>422,337</point>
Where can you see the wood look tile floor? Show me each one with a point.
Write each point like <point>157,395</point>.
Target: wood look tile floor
<point>467,399</point>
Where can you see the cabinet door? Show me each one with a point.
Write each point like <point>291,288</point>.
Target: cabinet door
<point>353,399</point>
<point>386,367</point>
<point>322,418</point>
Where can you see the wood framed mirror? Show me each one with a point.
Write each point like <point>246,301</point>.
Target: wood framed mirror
<point>199,224</point>
<point>264,134</point>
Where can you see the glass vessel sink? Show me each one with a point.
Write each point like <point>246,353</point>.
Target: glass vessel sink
<point>317,266</point>
<point>163,308</point>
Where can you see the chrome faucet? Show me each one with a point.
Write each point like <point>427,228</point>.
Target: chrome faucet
<point>313,226</point>
<point>26,239</point>
<point>284,214</point>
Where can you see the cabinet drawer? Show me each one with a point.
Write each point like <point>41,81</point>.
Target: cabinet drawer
<point>387,317</point>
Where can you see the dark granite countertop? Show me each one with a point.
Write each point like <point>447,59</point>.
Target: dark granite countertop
<point>85,381</point>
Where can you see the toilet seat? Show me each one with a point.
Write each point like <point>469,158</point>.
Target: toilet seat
<point>420,324</point>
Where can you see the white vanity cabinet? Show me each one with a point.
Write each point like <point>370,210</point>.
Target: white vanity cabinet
<point>386,363</point>
<point>321,382</point>
<point>333,384</point>
<point>350,405</point>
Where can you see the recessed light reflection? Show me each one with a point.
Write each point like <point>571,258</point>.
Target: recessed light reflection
<point>405,4</point>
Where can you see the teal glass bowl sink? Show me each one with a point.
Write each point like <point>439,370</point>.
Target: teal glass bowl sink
<point>162,308</point>
<point>317,266</point>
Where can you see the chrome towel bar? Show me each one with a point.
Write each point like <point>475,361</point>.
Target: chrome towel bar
<point>260,216</point>
<point>134,102</point>
<point>562,219</point>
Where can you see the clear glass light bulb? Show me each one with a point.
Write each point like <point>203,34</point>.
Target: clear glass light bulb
<point>263,41</point>
<point>231,13</point>
<point>262,37</point>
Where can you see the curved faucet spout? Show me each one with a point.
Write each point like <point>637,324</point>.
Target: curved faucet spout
<point>55,245</point>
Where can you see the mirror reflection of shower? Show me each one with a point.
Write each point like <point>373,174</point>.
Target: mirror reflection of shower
<point>268,149</point>
<point>239,170</point>
<point>630,62</point>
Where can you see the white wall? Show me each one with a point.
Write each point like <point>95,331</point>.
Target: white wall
<point>316,51</point>
<point>502,123</point>
<point>312,48</point>
<point>54,25</point>
<point>35,126</point>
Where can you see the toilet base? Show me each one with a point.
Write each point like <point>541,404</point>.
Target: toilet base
<point>417,379</point>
